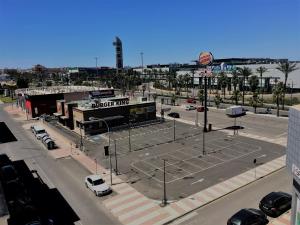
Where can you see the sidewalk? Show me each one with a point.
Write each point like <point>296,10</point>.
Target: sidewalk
<point>133,208</point>
<point>284,219</point>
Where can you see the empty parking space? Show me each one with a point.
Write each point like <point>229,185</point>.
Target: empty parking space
<point>187,161</point>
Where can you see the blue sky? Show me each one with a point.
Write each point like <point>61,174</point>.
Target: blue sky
<point>72,32</point>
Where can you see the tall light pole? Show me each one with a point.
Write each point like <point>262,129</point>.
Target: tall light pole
<point>108,131</point>
<point>142,59</point>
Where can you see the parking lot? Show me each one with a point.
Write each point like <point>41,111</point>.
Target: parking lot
<point>193,161</point>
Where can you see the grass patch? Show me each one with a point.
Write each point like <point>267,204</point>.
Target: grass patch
<point>7,99</point>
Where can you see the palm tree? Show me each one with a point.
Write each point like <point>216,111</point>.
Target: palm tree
<point>201,96</point>
<point>222,82</point>
<point>186,79</point>
<point>278,94</point>
<point>245,72</point>
<point>180,83</point>
<point>253,83</point>
<point>254,101</point>
<point>235,79</point>
<point>173,99</point>
<point>236,96</point>
<point>261,70</point>
<point>217,100</point>
<point>286,68</point>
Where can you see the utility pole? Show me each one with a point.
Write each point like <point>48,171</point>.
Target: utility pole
<point>174,129</point>
<point>205,103</point>
<point>116,160</point>
<point>129,134</point>
<point>164,201</point>
<point>81,140</point>
<point>96,58</point>
<point>142,59</point>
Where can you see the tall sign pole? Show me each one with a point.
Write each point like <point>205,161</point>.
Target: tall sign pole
<point>205,59</point>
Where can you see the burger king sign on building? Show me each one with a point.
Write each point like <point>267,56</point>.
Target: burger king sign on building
<point>205,58</point>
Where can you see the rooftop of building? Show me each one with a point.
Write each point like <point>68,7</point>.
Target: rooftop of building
<point>57,90</point>
<point>85,105</point>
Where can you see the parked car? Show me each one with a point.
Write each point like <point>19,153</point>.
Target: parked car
<point>248,217</point>
<point>190,107</point>
<point>8,174</point>
<point>38,131</point>
<point>49,143</point>
<point>201,109</point>
<point>275,203</point>
<point>174,115</point>
<point>4,160</point>
<point>191,100</point>
<point>97,185</point>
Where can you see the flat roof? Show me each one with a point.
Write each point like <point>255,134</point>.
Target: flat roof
<point>58,89</point>
<point>86,105</point>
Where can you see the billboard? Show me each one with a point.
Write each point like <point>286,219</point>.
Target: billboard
<point>205,58</point>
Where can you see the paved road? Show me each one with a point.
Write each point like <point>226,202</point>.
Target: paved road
<point>64,174</point>
<point>267,126</point>
<point>219,211</point>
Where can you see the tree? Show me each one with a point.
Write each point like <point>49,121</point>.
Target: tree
<point>245,72</point>
<point>201,96</point>
<point>173,99</point>
<point>254,101</point>
<point>236,96</point>
<point>261,70</point>
<point>217,100</point>
<point>186,79</point>
<point>22,82</point>
<point>235,79</point>
<point>223,82</point>
<point>48,83</point>
<point>286,68</point>
<point>180,82</point>
<point>278,94</point>
<point>154,96</point>
<point>253,83</point>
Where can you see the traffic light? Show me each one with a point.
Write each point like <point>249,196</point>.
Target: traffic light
<point>106,151</point>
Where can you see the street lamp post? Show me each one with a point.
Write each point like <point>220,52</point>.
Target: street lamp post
<point>174,133</point>
<point>108,131</point>
<point>116,159</point>
<point>165,201</point>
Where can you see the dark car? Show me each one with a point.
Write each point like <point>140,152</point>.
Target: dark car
<point>174,115</point>
<point>8,174</point>
<point>4,160</point>
<point>275,203</point>
<point>248,217</point>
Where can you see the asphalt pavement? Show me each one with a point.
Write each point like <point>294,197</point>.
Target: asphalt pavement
<point>64,174</point>
<point>249,196</point>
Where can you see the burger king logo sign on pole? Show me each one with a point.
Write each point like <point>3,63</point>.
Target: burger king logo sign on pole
<point>205,58</point>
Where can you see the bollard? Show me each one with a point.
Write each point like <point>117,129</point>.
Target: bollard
<point>209,127</point>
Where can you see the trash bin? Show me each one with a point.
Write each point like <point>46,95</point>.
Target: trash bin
<point>209,127</point>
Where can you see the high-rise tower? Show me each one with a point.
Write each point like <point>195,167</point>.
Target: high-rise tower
<point>119,54</point>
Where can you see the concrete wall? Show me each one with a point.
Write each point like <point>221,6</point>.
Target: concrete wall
<point>293,154</point>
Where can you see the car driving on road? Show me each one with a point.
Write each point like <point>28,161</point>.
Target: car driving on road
<point>248,217</point>
<point>190,107</point>
<point>97,185</point>
<point>174,115</point>
<point>275,203</point>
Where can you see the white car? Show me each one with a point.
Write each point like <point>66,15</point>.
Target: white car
<point>190,107</point>
<point>97,185</point>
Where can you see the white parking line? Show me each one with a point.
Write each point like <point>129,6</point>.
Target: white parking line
<point>198,181</point>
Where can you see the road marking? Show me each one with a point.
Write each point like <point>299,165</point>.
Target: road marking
<point>264,155</point>
<point>201,180</point>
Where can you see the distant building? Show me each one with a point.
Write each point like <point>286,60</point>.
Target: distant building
<point>119,54</point>
<point>38,101</point>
